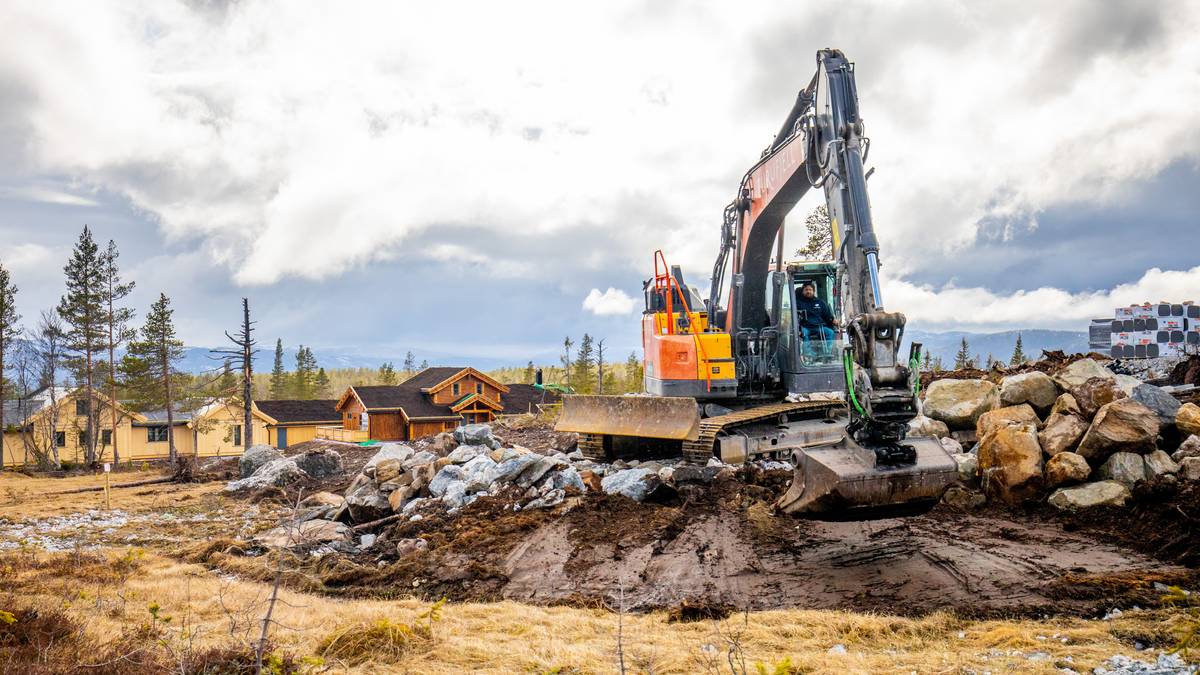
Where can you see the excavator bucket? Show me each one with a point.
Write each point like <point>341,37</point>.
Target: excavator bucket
<point>846,481</point>
<point>669,417</point>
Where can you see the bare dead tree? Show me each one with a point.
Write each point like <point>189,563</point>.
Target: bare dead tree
<point>600,367</point>
<point>243,356</point>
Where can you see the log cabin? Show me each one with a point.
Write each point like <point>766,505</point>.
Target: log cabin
<point>434,400</point>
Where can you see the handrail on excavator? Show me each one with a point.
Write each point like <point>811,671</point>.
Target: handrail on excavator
<point>663,281</point>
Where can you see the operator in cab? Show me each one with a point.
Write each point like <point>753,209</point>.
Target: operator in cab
<point>815,319</point>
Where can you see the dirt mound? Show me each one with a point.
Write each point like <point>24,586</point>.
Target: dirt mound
<point>720,549</point>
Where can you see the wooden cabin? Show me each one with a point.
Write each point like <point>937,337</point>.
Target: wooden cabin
<point>434,400</point>
<point>291,421</point>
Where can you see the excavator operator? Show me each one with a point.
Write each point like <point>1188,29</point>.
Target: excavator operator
<point>816,321</point>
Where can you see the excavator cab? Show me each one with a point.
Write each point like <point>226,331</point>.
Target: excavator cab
<point>810,360</point>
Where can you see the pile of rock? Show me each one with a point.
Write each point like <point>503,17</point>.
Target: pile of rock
<point>263,466</point>
<point>1035,433</point>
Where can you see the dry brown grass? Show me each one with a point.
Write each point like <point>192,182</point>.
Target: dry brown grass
<point>23,497</point>
<point>209,611</point>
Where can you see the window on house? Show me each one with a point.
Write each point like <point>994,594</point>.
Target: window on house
<point>478,388</point>
<point>60,439</point>
<point>237,434</point>
<point>83,439</point>
<point>81,407</point>
<point>156,434</point>
<point>454,388</point>
<point>106,437</point>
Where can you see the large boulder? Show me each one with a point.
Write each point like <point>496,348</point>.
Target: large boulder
<point>508,469</point>
<point>1187,418</point>
<point>1010,463</point>
<point>479,474</point>
<point>396,451</point>
<point>1159,463</point>
<point>277,472</point>
<point>959,403</point>
<point>1094,393</point>
<point>968,467</point>
<point>254,457</point>
<point>927,426</point>
<point>449,475</point>
<point>465,453</point>
<point>1088,495</point>
<point>1066,405</point>
<point>637,483</point>
<point>366,502</point>
<point>1035,388</point>
<point>1189,448</point>
<point>1079,372</point>
<point>308,533</point>
<point>320,463</point>
<point>1121,426</point>
<point>1061,433</point>
<point>476,434</point>
<point>442,444</point>
<point>1017,414</point>
<point>1189,468</point>
<point>1126,468</point>
<point>1066,468</point>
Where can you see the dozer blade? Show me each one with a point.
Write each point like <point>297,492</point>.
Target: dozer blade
<point>844,482</point>
<point>670,417</point>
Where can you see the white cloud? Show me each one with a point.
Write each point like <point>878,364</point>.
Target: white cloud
<point>613,301</point>
<point>27,257</point>
<point>981,309</point>
<point>301,140</point>
<point>46,195</point>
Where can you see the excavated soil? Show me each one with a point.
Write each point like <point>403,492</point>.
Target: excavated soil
<point>719,549</point>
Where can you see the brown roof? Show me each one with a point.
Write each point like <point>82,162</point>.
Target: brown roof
<point>290,411</point>
<point>410,399</point>
<point>431,376</point>
<point>525,398</point>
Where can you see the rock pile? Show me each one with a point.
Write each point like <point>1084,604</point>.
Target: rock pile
<point>263,466</point>
<point>1038,433</point>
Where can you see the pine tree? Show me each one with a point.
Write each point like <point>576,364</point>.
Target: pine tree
<point>424,364</point>
<point>963,358</point>
<point>322,384</point>
<point>928,365</point>
<point>279,379</point>
<point>387,374</point>
<point>150,366</point>
<point>227,384</point>
<point>634,374</point>
<point>410,365</point>
<point>83,310</point>
<point>600,367</point>
<point>304,378</point>
<point>820,235</point>
<point>9,330</point>
<point>118,319</point>
<point>1018,355</point>
<point>585,360</point>
<point>529,375</point>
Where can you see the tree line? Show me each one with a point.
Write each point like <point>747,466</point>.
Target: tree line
<point>75,345</point>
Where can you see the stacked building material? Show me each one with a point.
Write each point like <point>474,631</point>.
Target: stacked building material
<point>1152,330</point>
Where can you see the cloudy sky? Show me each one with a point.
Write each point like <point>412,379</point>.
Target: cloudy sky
<point>481,179</point>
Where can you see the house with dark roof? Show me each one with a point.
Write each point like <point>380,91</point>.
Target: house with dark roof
<point>434,400</point>
<point>292,421</point>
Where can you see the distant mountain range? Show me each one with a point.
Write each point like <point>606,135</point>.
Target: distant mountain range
<point>999,345</point>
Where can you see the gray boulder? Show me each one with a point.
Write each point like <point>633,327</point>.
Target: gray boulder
<point>449,475</point>
<point>690,473</point>
<point>465,453</point>
<point>1159,463</point>
<point>419,459</point>
<point>1126,468</point>
<point>508,470</point>
<point>1035,388</point>
<point>1079,372</point>
<point>310,532</point>
<point>277,472</point>
<point>542,466</point>
<point>1189,468</point>
<point>476,434</point>
<point>254,457</point>
<point>1189,448</point>
<point>1088,495</point>
<point>366,502</point>
<point>456,497</point>
<point>320,463</point>
<point>959,403</point>
<point>927,426</point>
<point>396,451</point>
<point>479,474</point>
<point>637,484</point>
<point>950,445</point>
<point>568,479</point>
<point>968,467</point>
<point>548,500</point>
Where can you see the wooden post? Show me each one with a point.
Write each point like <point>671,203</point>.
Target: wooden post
<point>107,491</point>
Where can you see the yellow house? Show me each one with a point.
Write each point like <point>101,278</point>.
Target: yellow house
<point>52,423</point>
<point>291,421</point>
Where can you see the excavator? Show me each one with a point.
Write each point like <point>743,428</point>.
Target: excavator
<point>735,376</point>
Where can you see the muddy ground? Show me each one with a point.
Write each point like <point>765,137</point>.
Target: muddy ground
<point>717,549</point>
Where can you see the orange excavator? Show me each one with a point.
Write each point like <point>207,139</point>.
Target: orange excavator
<point>749,372</point>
